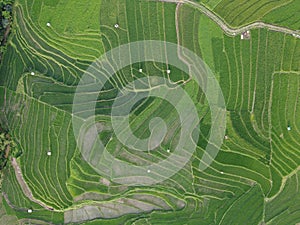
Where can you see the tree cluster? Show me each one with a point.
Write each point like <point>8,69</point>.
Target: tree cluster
<point>6,13</point>
<point>5,21</point>
<point>8,148</point>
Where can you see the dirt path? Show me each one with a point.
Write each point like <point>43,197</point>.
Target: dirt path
<point>11,205</point>
<point>5,36</point>
<point>24,185</point>
<point>4,40</point>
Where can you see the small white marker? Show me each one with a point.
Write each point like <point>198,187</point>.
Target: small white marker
<point>148,171</point>
<point>32,73</point>
<point>140,70</point>
<point>168,150</point>
<point>168,71</point>
<point>222,172</point>
<point>49,153</point>
<point>48,25</point>
<point>116,25</point>
<point>289,128</point>
<point>29,210</point>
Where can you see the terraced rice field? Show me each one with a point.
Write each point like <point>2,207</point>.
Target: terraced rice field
<point>241,12</point>
<point>253,179</point>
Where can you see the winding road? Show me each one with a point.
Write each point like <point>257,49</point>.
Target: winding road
<point>234,31</point>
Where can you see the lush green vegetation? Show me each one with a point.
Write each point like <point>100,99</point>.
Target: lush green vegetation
<point>284,208</point>
<point>286,15</point>
<point>250,180</point>
<point>242,12</point>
